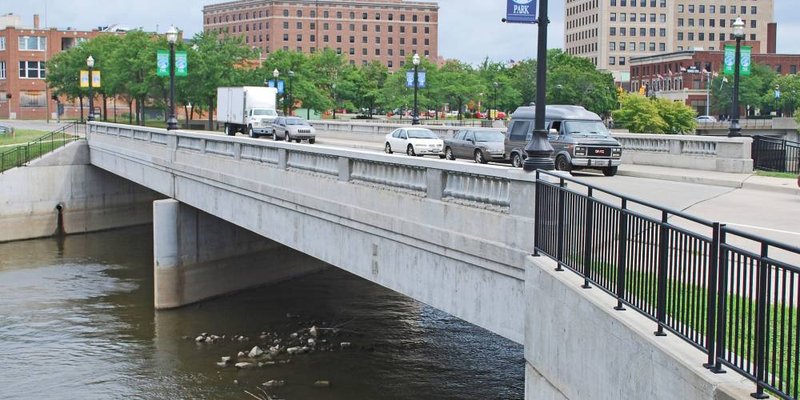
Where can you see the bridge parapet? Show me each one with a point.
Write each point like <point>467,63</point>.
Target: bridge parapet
<point>706,153</point>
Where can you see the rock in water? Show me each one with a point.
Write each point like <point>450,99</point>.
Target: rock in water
<point>255,352</point>
<point>199,338</point>
<point>322,384</point>
<point>245,365</point>
<point>274,383</point>
<point>226,359</point>
<point>313,331</point>
<point>344,345</point>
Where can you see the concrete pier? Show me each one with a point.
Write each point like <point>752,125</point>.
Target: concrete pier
<point>198,256</point>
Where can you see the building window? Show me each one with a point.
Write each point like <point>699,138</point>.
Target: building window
<point>285,13</point>
<point>622,61</point>
<point>33,99</point>
<point>31,69</point>
<point>300,25</point>
<point>35,43</point>
<point>612,60</point>
<point>299,13</point>
<point>2,70</point>
<point>753,10</point>
<point>2,43</point>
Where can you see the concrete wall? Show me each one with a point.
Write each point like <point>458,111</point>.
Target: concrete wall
<point>577,347</point>
<point>451,235</point>
<point>91,199</point>
<point>197,257</point>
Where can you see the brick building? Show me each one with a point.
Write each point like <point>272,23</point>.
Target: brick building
<point>362,30</point>
<point>681,75</point>
<point>23,57</point>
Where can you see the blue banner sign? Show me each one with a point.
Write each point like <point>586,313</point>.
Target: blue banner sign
<point>521,11</point>
<point>421,79</point>
<point>271,83</point>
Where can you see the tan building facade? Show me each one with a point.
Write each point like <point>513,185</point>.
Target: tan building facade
<point>363,30</point>
<point>611,32</point>
<point>24,53</point>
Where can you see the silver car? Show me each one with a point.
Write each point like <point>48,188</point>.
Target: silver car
<point>481,145</point>
<point>293,128</point>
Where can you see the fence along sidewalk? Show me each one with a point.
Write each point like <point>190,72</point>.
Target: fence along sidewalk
<point>21,154</point>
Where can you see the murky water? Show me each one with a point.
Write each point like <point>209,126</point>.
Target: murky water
<point>77,322</point>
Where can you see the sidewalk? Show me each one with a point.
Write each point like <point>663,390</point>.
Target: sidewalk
<point>743,181</point>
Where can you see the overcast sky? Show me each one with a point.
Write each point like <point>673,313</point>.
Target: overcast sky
<point>469,30</point>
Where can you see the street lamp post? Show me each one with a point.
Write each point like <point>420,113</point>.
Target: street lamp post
<point>708,92</point>
<point>777,100</point>
<point>172,37</point>
<point>90,64</point>
<point>334,100</point>
<point>539,150</point>
<point>494,106</point>
<point>275,74</point>
<point>415,61</point>
<point>738,32</point>
<point>289,94</point>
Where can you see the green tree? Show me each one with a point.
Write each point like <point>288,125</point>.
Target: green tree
<point>575,80</point>
<point>678,118</point>
<point>458,84</point>
<point>755,91</point>
<point>639,114</point>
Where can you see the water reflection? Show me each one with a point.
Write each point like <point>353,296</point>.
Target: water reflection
<point>79,323</point>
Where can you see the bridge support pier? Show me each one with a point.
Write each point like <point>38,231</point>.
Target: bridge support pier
<point>198,256</point>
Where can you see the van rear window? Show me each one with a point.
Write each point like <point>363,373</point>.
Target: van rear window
<point>519,131</point>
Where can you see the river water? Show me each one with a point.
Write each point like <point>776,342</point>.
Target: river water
<point>77,322</point>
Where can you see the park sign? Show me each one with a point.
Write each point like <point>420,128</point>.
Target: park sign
<point>85,79</point>
<point>521,11</point>
<point>162,63</point>
<point>745,62</point>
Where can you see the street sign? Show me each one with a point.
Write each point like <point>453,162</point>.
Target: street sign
<point>281,85</point>
<point>422,79</point>
<point>521,11</point>
<point>84,79</point>
<point>729,60</point>
<point>96,79</point>
<point>181,64</point>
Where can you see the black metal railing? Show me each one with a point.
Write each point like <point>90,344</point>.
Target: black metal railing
<point>771,154</point>
<point>21,154</point>
<point>729,293</point>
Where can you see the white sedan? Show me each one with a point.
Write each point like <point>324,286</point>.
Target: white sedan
<point>414,142</point>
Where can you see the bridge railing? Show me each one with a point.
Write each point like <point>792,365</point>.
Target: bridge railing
<point>22,154</point>
<point>502,189</point>
<point>771,154</point>
<point>687,151</point>
<point>731,294</point>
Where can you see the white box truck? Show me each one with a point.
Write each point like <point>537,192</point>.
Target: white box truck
<point>247,109</point>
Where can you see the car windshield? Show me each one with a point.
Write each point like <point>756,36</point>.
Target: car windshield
<point>295,121</point>
<point>587,128</point>
<point>489,136</point>
<point>421,134</point>
<point>270,113</point>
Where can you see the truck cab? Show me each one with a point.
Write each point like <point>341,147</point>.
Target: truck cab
<point>259,121</point>
<point>578,136</point>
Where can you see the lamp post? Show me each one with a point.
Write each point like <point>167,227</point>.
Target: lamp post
<point>275,74</point>
<point>90,64</point>
<point>415,61</point>
<point>334,100</point>
<point>777,100</point>
<point>708,92</point>
<point>539,150</point>
<point>494,106</point>
<point>738,32</point>
<point>289,94</point>
<point>172,37</point>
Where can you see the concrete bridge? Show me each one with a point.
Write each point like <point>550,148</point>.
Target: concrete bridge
<point>458,237</point>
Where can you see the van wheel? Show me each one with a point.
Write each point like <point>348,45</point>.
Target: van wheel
<point>610,171</point>
<point>562,164</point>
<point>311,141</point>
<point>516,160</point>
<point>448,154</point>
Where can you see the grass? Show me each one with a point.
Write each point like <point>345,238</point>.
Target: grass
<point>20,136</point>
<point>16,154</point>
<point>772,174</point>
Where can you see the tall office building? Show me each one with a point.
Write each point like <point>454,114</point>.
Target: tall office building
<point>610,32</point>
<point>363,30</point>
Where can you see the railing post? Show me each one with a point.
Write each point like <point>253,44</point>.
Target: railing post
<point>661,306</point>
<point>561,199</point>
<point>537,215</point>
<point>587,240</point>
<point>762,298</point>
<point>622,257</point>
<point>721,303</point>
<point>711,302</point>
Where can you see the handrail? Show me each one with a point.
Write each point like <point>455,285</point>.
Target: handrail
<point>24,153</point>
<point>772,154</point>
<point>730,293</point>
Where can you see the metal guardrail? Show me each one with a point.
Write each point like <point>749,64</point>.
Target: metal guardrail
<point>24,153</point>
<point>731,294</point>
<point>771,154</point>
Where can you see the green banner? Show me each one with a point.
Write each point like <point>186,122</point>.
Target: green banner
<point>745,62</point>
<point>162,63</point>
